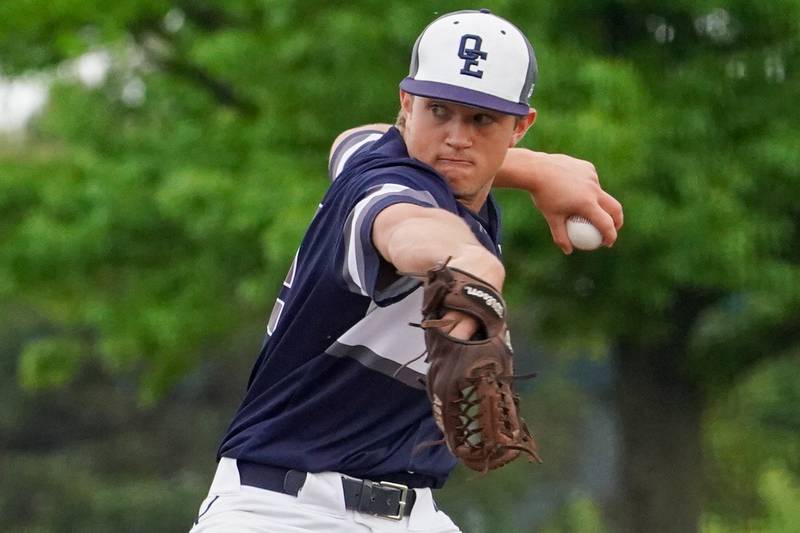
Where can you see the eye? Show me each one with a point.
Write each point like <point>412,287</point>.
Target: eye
<point>483,119</point>
<point>438,110</point>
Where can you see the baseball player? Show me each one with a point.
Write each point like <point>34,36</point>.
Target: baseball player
<point>334,433</point>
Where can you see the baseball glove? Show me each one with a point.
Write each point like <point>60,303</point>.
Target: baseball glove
<point>469,382</point>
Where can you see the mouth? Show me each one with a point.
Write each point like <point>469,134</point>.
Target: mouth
<point>455,161</point>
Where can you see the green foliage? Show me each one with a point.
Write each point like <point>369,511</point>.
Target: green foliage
<point>49,362</point>
<point>752,441</point>
<point>580,516</point>
<point>146,201</point>
<point>86,456</point>
<point>697,152</point>
<point>146,221</point>
<point>154,245</point>
<point>68,496</point>
<point>779,492</point>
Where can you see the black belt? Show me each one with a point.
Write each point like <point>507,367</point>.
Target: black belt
<point>379,498</point>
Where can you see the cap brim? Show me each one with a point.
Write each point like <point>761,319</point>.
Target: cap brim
<point>460,95</point>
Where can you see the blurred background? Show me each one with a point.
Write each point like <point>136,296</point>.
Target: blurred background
<point>160,160</point>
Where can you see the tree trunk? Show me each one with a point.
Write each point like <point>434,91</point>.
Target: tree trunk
<point>660,461</point>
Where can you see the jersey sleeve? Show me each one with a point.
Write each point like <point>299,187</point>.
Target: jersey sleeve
<point>362,267</point>
<point>348,147</point>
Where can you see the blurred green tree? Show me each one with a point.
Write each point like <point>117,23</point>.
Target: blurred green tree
<point>684,110</point>
<point>147,216</point>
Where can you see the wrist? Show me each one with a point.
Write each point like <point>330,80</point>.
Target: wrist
<point>478,261</point>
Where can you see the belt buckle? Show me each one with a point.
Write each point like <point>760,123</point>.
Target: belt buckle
<point>403,499</point>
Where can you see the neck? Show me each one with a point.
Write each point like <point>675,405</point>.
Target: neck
<point>474,202</point>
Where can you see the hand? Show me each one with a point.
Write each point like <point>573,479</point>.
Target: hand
<point>480,263</point>
<point>463,326</point>
<point>562,186</point>
<point>486,267</point>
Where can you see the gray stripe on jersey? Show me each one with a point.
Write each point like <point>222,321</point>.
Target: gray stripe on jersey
<point>385,342</point>
<point>347,148</point>
<point>354,269</point>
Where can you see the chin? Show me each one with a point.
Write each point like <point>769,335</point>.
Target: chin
<point>455,174</point>
<point>454,182</point>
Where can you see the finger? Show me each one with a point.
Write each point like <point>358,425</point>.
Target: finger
<point>612,206</point>
<point>601,220</point>
<point>558,230</point>
<point>465,326</point>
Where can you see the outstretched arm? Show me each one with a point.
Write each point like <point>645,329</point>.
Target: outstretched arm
<point>416,239</point>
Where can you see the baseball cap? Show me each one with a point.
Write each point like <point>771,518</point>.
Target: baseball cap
<point>474,58</point>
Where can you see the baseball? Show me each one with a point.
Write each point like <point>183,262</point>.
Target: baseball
<point>582,234</point>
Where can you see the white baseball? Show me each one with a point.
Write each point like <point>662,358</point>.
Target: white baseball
<point>582,234</point>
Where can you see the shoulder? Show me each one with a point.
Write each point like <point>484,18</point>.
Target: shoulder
<point>382,166</point>
<point>402,179</point>
<point>351,141</point>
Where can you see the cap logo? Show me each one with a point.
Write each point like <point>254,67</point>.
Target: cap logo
<point>471,55</point>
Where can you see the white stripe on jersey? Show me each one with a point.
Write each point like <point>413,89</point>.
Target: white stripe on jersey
<point>352,261</point>
<point>385,332</point>
<point>350,151</point>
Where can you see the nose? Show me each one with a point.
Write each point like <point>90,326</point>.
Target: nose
<point>459,134</point>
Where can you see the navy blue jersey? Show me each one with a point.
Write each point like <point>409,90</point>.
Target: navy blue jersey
<point>338,384</point>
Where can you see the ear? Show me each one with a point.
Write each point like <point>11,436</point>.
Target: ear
<point>406,101</point>
<point>521,127</point>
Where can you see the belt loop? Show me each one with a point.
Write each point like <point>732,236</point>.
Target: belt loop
<point>294,481</point>
<point>365,498</point>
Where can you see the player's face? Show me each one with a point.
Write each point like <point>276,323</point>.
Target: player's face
<point>464,144</point>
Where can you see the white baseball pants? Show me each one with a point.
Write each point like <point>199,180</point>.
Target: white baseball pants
<point>319,507</point>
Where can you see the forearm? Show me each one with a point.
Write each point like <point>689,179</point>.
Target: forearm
<point>415,239</point>
<point>525,169</point>
<point>415,250</point>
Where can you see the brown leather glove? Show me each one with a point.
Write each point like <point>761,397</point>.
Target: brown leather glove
<point>470,381</point>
